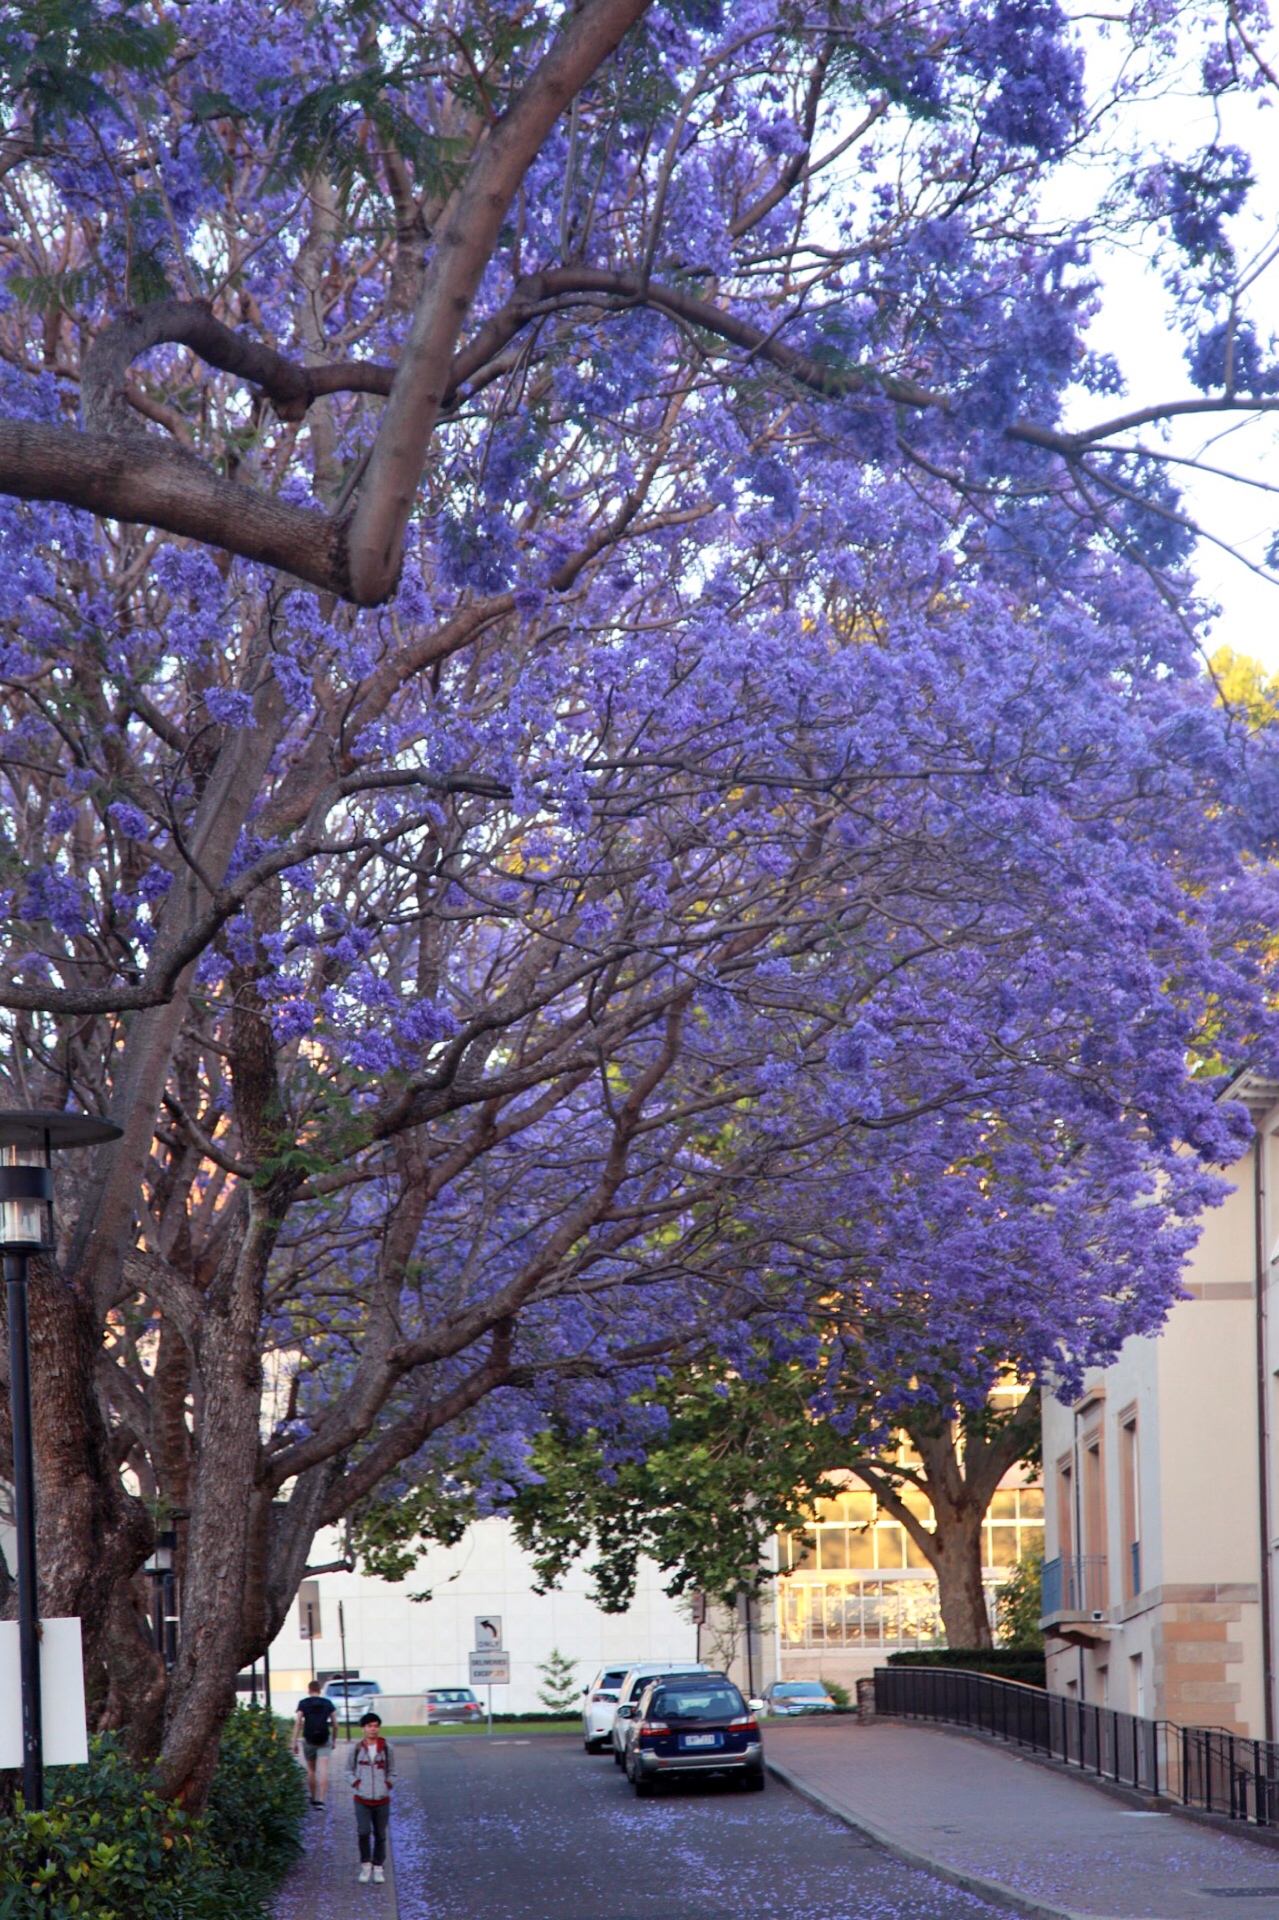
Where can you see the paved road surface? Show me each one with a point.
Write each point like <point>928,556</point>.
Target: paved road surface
<point>535,1829</point>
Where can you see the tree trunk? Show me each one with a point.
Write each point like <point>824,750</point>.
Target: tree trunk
<point>957,1562</point>
<point>202,1685</point>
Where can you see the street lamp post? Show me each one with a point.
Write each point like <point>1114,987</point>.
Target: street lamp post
<point>163,1596</point>
<point>27,1143</point>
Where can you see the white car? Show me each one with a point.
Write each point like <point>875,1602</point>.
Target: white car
<point>633,1684</point>
<point>599,1704</point>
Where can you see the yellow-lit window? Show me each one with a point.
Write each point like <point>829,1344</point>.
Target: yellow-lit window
<point>832,1544</point>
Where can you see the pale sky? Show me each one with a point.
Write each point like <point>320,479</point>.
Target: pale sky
<point>1134,326</point>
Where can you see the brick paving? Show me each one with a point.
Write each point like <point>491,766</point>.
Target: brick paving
<point>1000,1823</point>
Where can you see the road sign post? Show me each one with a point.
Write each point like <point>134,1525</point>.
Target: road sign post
<point>490,1669</point>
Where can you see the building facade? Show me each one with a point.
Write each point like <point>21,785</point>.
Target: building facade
<point>853,1587</point>
<point>1160,1514</point>
<point>408,1645</point>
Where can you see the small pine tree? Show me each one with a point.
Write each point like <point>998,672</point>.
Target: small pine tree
<point>561,1692</point>
<point>1018,1604</point>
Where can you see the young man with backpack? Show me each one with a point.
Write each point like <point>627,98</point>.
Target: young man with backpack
<point>314,1729</point>
<point>370,1767</point>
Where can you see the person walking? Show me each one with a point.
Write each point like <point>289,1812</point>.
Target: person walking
<point>370,1767</point>
<point>314,1729</point>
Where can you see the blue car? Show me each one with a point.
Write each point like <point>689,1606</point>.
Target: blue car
<point>694,1723</point>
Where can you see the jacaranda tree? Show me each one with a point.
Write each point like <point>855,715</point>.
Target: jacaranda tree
<point>561,670</point>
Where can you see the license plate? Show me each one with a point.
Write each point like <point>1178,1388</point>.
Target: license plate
<point>699,1740</point>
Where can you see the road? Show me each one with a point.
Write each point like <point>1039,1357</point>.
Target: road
<point>536,1829</point>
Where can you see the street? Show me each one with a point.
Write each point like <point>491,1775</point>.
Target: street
<point>535,1829</point>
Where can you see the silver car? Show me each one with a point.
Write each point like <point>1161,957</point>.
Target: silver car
<point>797,1696</point>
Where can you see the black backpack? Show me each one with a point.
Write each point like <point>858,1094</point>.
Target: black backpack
<point>316,1713</point>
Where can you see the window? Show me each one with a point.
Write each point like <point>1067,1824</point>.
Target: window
<point>1094,1492</point>
<point>1130,1505</point>
<point>1066,1510</point>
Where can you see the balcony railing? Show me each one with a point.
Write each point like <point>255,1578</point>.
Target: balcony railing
<point>1075,1583</point>
<point>1199,1766</point>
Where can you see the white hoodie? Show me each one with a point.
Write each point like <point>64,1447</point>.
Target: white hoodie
<point>371,1771</point>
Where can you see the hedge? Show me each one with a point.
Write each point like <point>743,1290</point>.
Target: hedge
<point>107,1847</point>
<point>1004,1663</point>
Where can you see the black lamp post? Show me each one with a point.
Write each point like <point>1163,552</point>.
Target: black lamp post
<point>163,1596</point>
<point>27,1143</point>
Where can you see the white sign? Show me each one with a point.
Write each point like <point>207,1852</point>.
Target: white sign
<point>66,1741</point>
<point>490,1669</point>
<point>488,1633</point>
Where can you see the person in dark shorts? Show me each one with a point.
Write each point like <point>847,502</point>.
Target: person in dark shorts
<point>313,1730</point>
<point>370,1768</point>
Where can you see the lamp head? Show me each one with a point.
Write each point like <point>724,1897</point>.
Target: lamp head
<point>27,1143</point>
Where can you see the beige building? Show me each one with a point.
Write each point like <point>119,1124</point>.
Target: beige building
<point>1161,1522</point>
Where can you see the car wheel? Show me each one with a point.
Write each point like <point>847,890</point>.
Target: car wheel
<point>592,1746</point>
<point>754,1780</point>
<point>617,1759</point>
<point>644,1788</point>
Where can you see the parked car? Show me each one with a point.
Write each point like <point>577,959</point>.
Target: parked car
<point>353,1692</point>
<point>797,1696</point>
<point>458,1704</point>
<point>599,1704</point>
<point>691,1723</point>
<point>628,1695</point>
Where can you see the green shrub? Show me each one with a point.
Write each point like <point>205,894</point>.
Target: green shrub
<point>1002,1663</point>
<point>257,1803</point>
<point>1020,1602</point>
<point>107,1847</point>
<point>840,1695</point>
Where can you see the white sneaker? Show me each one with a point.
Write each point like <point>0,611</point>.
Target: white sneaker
<point>366,1872</point>
<point>378,1877</point>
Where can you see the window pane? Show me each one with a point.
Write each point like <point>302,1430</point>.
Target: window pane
<point>1003,1546</point>
<point>915,1556</point>
<point>829,1510</point>
<point>1003,1506</point>
<point>833,1545</point>
<point>1031,1503</point>
<point>890,1548</point>
<point>861,1546</point>
<point>858,1507</point>
<point>801,1550</point>
<point>917,1503</point>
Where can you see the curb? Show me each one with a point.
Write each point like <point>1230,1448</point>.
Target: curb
<point>961,1877</point>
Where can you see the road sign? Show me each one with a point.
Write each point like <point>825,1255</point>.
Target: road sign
<point>488,1633</point>
<point>61,1695</point>
<point>490,1669</point>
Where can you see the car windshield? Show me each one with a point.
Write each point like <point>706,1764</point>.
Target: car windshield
<point>800,1690</point>
<point>717,1702</point>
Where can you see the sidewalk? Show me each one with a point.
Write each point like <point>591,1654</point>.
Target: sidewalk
<point>323,1884</point>
<point>1018,1832</point>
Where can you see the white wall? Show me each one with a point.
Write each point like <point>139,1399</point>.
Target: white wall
<point>409,1645</point>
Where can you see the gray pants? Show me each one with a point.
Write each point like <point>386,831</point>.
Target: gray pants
<point>370,1824</point>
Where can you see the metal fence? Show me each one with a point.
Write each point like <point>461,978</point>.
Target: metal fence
<point>1075,1583</point>
<point>1202,1767</point>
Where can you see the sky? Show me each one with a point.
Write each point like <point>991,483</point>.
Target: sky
<point>1135,326</point>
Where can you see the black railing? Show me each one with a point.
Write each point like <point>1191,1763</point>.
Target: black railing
<point>1074,1583</point>
<point>1201,1767</point>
